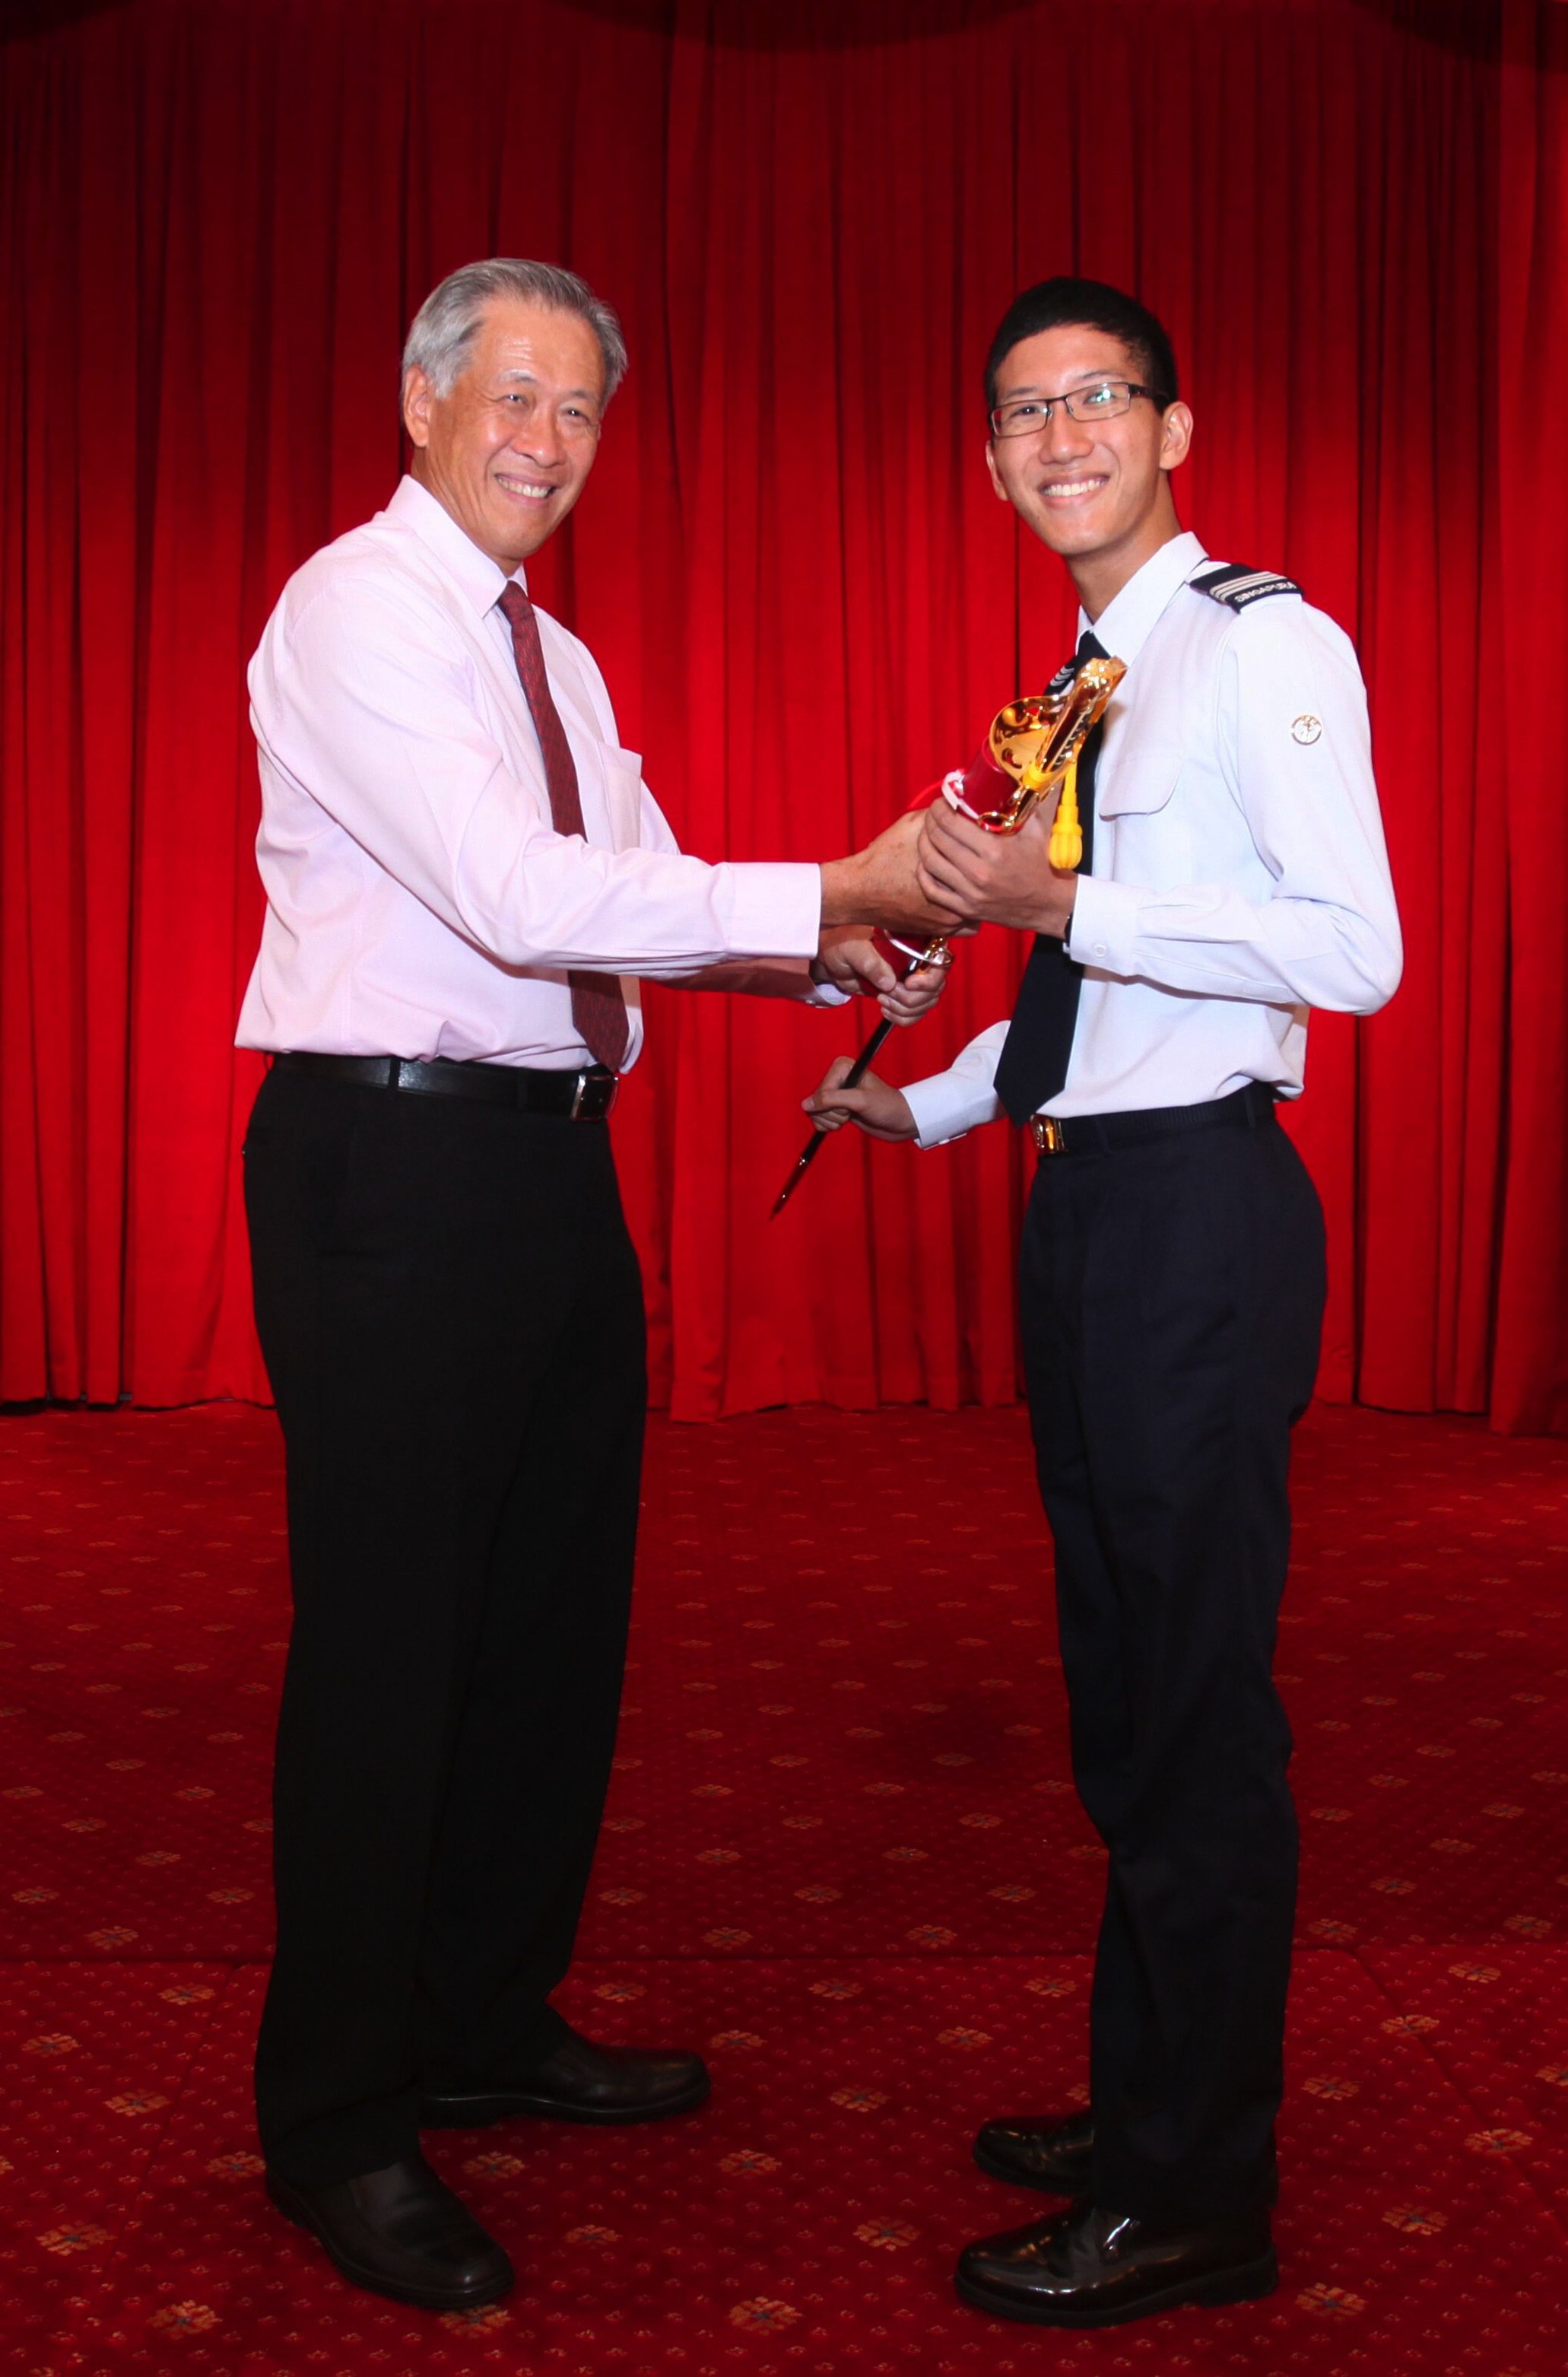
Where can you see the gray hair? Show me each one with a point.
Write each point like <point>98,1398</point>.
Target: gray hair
<point>443,331</point>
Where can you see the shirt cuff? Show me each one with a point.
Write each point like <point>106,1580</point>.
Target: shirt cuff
<point>946,1105</point>
<point>1104,930</point>
<point>774,910</point>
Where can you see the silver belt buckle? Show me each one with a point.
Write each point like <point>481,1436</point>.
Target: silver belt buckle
<point>594,1097</point>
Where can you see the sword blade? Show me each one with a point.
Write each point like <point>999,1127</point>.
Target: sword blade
<point>802,1166</point>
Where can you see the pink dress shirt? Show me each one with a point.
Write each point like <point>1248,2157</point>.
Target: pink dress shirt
<point>419,902</point>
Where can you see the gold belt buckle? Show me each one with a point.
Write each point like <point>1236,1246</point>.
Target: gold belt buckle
<point>1048,1133</point>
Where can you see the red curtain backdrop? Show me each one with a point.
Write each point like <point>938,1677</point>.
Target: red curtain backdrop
<point>217,217</point>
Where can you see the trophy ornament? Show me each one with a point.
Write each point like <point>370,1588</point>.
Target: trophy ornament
<point>1032,750</point>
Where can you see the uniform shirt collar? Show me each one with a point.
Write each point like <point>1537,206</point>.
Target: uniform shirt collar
<point>478,580</point>
<point>1125,624</point>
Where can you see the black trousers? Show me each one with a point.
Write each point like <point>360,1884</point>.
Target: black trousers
<point>452,1319</point>
<point>1172,1308</point>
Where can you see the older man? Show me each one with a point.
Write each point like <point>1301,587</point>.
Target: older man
<point>462,866</point>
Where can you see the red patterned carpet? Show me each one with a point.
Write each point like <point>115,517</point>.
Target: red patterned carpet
<point>843,1853</point>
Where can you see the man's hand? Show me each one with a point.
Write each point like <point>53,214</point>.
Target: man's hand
<point>878,885</point>
<point>1007,877</point>
<point>851,962</point>
<point>881,1111</point>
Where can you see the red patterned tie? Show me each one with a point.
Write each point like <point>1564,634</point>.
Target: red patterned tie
<point>599,1010</point>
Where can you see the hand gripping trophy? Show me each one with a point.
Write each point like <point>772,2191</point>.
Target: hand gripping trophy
<point>1031,751</point>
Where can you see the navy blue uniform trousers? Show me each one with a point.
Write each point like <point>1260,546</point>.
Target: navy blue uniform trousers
<point>1171,1304</point>
<point>452,1319</point>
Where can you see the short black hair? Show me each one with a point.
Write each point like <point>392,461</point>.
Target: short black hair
<point>1053,304</point>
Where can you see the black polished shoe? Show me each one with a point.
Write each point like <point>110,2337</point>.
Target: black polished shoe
<point>576,2081</point>
<point>401,2232</point>
<point>1032,2150</point>
<point>1090,2268</point>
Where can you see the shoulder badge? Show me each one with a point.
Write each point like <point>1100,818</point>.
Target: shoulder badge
<point>1235,584</point>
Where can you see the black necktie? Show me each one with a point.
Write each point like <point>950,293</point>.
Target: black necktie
<point>1040,1039</point>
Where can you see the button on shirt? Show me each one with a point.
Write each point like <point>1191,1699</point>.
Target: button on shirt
<point>419,901</point>
<point>1239,876</point>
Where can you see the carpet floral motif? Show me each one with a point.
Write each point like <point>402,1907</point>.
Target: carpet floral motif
<point>850,1864</point>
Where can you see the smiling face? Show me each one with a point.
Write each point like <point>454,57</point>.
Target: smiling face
<point>508,449</point>
<point>1098,493</point>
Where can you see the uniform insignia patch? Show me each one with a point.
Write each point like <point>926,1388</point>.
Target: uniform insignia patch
<point>1236,584</point>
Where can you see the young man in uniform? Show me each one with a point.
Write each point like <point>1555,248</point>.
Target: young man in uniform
<point>1171,1286</point>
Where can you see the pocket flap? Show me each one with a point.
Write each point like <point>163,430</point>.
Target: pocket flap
<point>1138,781</point>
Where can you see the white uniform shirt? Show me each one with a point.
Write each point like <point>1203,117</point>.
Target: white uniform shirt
<point>419,901</point>
<point>1239,872</point>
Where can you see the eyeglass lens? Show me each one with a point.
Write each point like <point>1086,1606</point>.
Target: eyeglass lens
<point>1102,401</point>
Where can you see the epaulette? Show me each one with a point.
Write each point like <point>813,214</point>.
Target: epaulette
<point>1235,584</point>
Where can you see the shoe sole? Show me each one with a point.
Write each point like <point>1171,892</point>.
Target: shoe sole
<point>1043,2184</point>
<point>421,2298</point>
<point>1250,2282</point>
<point>483,2112</point>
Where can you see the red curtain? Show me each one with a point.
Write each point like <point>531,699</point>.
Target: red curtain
<point>1527,702</point>
<point>217,219</point>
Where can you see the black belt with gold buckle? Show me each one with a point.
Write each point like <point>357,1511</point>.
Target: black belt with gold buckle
<point>1091,1134</point>
<point>588,1096</point>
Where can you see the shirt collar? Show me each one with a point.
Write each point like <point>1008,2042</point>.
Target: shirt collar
<point>479,580</point>
<point>1125,624</point>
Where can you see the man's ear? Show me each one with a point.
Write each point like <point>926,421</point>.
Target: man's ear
<point>997,487</point>
<point>1176,436</point>
<point>418,394</point>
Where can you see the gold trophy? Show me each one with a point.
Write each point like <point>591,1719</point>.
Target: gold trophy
<point>1032,750</point>
<point>1034,745</point>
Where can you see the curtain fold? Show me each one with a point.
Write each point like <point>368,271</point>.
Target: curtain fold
<point>1525,731</point>
<point>215,222</point>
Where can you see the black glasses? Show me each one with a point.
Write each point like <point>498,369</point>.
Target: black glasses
<point>1099,400</point>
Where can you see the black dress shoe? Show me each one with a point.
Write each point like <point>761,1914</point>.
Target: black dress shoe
<point>1090,2268</point>
<point>576,2081</point>
<point>1032,2150</point>
<point>401,2232</point>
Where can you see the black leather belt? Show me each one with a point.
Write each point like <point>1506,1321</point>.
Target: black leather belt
<point>584,1096</point>
<point>1085,1134</point>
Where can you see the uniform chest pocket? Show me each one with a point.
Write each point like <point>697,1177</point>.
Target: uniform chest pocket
<point>1140,781</point>
<point>1147,838</point>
